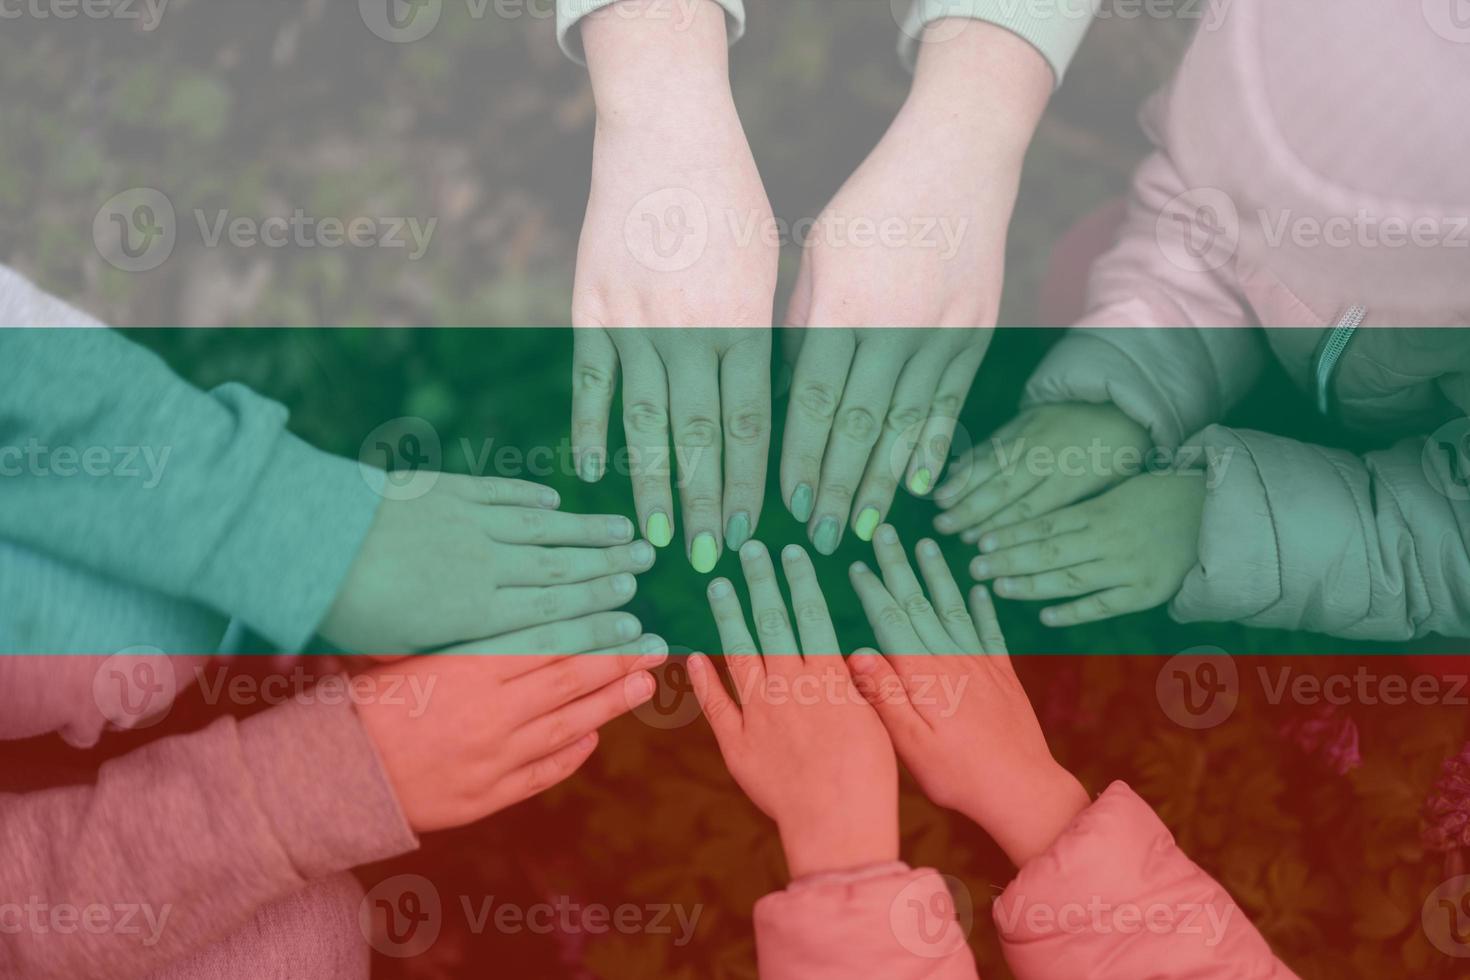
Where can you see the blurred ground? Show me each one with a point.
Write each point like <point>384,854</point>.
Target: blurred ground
<point>264,108</point>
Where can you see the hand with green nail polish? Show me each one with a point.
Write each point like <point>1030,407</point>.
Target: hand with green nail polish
<point>479,557</point>
<point>1048,457</point>
<point>870,409</point>
<point>666,294</point>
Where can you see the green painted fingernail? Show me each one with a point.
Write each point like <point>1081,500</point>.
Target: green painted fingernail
<point>922,481</point>
<point>866,523</point>
<point>737,530</point>
<point>659,532</point>
<point>801,503</point>
<point>704,554</point>
<point>825,539</point>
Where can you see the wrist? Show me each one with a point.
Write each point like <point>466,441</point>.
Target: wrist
<point>1038,810</point>
<point>813,849</point>
<point>648,60</point>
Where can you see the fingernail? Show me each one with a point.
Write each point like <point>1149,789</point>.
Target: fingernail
<point>751,551</point>
<point>654,644</point>
<point>866,522</point>
<point>659,531</point>
<point>628,627</point>
<point>944,524</point>
<point>989,542</point>
<point>704,553</point>
<point>640,688</point>
<point>550,499</point>
<point>922,481</point>
<point>862,663</point>
<point>970,536</point>
<point>589,467</point>
<point>791,553</point>
<point>979,568</point>
<point>642,553</point>
<point>928,548</point>
<point>655,652</point>
<point>625,584</point>
<point>619,528</point>
<point>737,530</point>
<point>1003,584</point>
<point>858,568</point>
<point>585,742</point>
<point>719,589</point>
<point>801,503</point>
<point>825,539</point>
<point>887,535</point>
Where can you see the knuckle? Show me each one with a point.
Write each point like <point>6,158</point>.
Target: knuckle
<point>553,566</point>
<point>1025,510</point>
<point>902,418</point>
<point>543,774</point>
<point>948,406</point>
<point>1102,604</point>
<point>891,615</point>
<point>771,622</point>
<point>840,493</point>
<point>858,424</point>
<point>1046,527</point>
<point>546,606</point>
<point>1073,579</point>
<point>745,426</point>
<point>954,614</point>
<point>531,523</point>
<point>810,614</point>
<point>917,605</point>
<point>645,417</point>
<point>699,432</point>
<point>817,399</point>
<point>1050,551</point>
<point>593,380</point>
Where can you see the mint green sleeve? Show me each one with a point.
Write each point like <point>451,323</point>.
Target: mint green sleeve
<point>1054,27</point>
<point>569,12</point>
<point>111,461</point>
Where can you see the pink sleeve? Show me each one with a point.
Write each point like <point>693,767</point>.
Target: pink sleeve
<point>886,921</point>
<point>179,843</point>
<point>1114,897</point>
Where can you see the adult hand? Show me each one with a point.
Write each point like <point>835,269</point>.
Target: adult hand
<point>1047,457</point>
<point>1125,551</point>
<point>914,240</point>
<point>499,721</point>
<point>798,737</point>
<point>948,695</point>
<point>477,557</point>
<point>677,235</point>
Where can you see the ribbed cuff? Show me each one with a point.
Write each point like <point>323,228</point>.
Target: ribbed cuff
<point>570,12</point>
<point>1054,27</point>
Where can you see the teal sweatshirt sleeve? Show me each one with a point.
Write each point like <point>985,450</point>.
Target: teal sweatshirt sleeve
<point>111,461</point>
<point>1054,27</point>
<point>569,12</point>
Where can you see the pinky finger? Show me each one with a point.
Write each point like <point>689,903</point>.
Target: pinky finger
<point>536,777</point>
<point>723,714</point>
<point>982,609</point>
<point>1098,606</point>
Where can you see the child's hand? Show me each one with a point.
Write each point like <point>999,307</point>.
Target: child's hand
<point>798,738</point>
<point>479,557</point>
<point>951,701</point>
<point>1125,551</point>
<point>484,726</point>
<point>1047,457</point>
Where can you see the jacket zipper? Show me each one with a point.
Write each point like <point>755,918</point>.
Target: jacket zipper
<point>1332,350</point>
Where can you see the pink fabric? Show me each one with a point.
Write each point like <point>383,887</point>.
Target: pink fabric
<point>224,849</point>
<point>1113,899</point>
